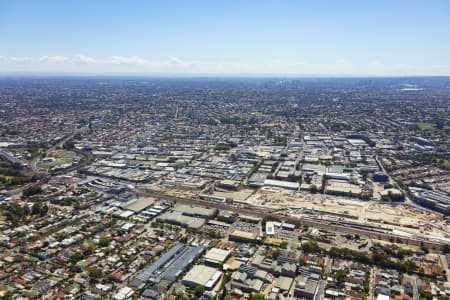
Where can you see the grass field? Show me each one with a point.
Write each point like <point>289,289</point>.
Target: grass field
<point>444,163</point>
<point>270,124</point>
<point>60,157</point>
<point>424,126</point>
<point>5,177</point>
<point>62,154</point>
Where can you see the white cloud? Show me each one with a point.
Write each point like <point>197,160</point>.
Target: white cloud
<point>15,58</point>
<point>54,59</point>
<point>80,58</point>
<point>118,63</point>
<point>135,60</point>
<point>175,60</point>
<point>178,63</point>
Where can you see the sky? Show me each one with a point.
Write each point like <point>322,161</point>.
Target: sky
<point>258,37</point>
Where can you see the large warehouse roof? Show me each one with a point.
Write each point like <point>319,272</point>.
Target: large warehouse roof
<point>202,275</point>
<point>217,255</point>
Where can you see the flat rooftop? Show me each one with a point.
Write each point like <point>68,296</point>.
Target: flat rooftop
<point>202,275</point>
<point>217,255</point>
<point>140,204</point>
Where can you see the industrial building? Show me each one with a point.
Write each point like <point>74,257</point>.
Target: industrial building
<point>342,188</point>
<point>281,184</point>
<point>271,227</point>
<point>202,275</point>
<point>435,200</point>
<point>195,211</point>
<point>249,219</point>
<point>179,219</point>
<point>169,265</point>
<point>242,236</point>
<point>250,279</point>
<point>216,256</point>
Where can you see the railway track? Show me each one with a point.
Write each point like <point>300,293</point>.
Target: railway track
<point>344,227</point>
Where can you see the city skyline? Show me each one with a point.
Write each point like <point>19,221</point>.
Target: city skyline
<point>290,38</point>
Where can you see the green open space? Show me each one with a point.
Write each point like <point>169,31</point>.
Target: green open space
<point>59,157</point>
<point>424,126</point>
<point>257,113</point>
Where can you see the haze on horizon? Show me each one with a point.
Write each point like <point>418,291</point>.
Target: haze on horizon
<point>301,38</point>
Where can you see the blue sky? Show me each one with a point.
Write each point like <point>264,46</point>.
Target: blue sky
<point>341,37</point>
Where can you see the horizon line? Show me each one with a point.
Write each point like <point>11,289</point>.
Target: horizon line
<point>208,75</point>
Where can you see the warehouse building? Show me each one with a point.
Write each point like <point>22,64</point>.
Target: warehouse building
<point>195,211</point>
<point>305,289</point>
<point>242,236</point>
<point>216,256</point>
<point>281,184</point>
<point>201,275</point>
<point>179,219</point>
<point>168,266</point>
<point>138,205</point>
<point>435,200</point>
<point>342,188</point>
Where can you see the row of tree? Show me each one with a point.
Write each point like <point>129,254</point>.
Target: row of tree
<point>17,214</point>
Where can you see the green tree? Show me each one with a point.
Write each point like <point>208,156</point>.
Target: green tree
<point>425,294</point>
<point>36,208</point>
<point>302,262</point>
<point>26,210</point>
<point>94,273</point>
<point>76,257</point>
<point>340,275</point>
<point>446,249</point>
<point>44,210</point>
<point>199,290</point>
<point>311,247</point>
<point>69,145</point>
<point>32,190</point>
<point>103,242</point>
<point>257,297</point>
<point>89,248</point>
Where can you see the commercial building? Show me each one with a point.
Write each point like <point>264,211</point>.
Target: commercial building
<point>435,200</point>
<point>202,275</point>
<point>195,211</point>
<point>305,289</point>
<point>229,184</point>
<point>179,219</point>
<point>342,188</point>
<point>123,294</point>
<point>169,265</point>
<point>216,256</point>
<point>138,205</point>
<point>284,283</point>
<point>250,279</point>
<point>270,228</point>
<point>249,219</point>
<point>242,236</point>
<point>281,184</point>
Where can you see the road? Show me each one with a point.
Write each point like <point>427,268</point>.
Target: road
<point>408,200</point>
<point>373,272</point>
<point>415,288</point>
<point>320,293</point>
<point>60,144</point>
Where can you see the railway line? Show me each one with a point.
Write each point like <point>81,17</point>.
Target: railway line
<point>341,226</point>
